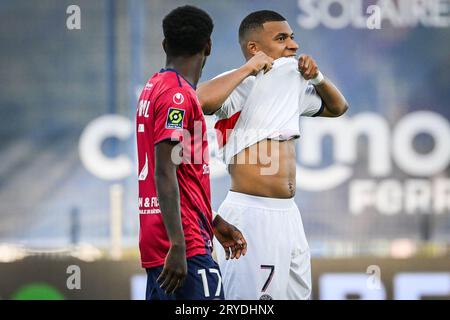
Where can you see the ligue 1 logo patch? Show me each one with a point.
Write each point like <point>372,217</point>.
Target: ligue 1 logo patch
<point>175,118</point>
<point>178,98</point>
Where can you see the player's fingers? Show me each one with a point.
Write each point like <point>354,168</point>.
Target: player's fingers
<point>172,291</point>
<point>313,71</point>
<point>240,240</point>
<point>172,286</point>
<point>244,246</point>
<point>227,252</point>
<point>166,281</point>
<point>303,70</point>
<point>301,61</point>
<point>306,75</point>
<point>310,73</point>
<point>314,68</point>
<point>233,251</point>
<point>238,251</point>
<point>180,283</point>
<point>268,66</point>
<point>162,276</point>
<point>238,237</point>
<point>175,283</point>
<point>244,250</point>
<point>306,62</point>
<point>181,276</point>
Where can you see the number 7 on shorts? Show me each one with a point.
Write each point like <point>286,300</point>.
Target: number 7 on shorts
<point>269,278</point>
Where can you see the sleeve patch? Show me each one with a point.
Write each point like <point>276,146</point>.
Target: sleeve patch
<point>175,118</point>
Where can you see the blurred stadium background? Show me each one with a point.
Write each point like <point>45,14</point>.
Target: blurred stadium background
<point>373,187</point>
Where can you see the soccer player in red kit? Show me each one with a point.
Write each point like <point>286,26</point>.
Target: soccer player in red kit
<point>176,219</point>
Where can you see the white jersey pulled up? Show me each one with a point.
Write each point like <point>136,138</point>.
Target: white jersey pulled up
<point>270,105</point>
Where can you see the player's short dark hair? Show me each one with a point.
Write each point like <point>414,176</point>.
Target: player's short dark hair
<point>187,30</point>
<point>256,20</point>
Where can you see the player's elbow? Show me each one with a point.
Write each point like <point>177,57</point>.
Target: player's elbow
<point>166,181</point>
<point>340,109</point>
<point>162,175</point>
<point>336,110</point>
<point>208,107</point>
<point>344,108</point>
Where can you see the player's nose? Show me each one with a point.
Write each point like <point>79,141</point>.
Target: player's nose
<point>292,45</point>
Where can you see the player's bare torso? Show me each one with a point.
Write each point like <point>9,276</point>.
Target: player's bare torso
<point>266,169</point>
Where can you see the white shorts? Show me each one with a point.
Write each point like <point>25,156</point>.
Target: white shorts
<point>277,264</point>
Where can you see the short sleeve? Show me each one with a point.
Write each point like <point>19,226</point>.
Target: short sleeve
<point>236,100</point>
<point>311,104</point>
<point>173,112</point>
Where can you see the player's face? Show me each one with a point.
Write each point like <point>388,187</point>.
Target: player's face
<point>277,40</point>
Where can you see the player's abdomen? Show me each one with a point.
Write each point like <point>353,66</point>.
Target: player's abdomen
<point>266,169</point>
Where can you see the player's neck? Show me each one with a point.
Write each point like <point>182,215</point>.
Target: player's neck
<point>189,67</point>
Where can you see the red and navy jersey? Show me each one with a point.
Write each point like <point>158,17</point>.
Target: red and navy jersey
<point>168,109</point>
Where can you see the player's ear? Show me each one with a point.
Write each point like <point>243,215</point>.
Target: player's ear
<point>252,47</point>
<point>164,45</point>
<point>208,48</point>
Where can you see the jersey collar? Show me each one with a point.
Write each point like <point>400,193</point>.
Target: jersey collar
<point>178,76</point>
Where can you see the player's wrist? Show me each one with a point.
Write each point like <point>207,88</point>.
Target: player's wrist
<point>318,79</point>
<point>214,215</point>
<point>248,69</point>
<point>219,223</point>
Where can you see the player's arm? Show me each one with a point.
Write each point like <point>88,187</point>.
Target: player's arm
<point>213,93</point>
<point>175,267</point>
<point>231,239</point>
<point>334,102</point>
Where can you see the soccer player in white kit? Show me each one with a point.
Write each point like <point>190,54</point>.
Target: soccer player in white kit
<point>258,107</point>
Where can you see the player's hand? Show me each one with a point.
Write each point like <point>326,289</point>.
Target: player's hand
<point>260,61</point>
<point>174,272</point>
<point>307,67</point>
<point>231,239</point>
